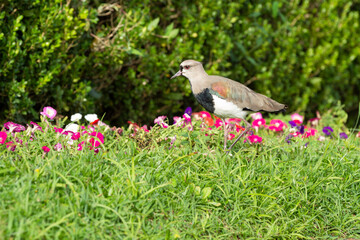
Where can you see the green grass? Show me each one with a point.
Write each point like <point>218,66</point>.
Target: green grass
<point>138,188</point>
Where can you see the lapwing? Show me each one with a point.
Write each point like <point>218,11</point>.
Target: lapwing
<point>224,97</point>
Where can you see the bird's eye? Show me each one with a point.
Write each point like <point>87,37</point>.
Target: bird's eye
<point>187,67</point>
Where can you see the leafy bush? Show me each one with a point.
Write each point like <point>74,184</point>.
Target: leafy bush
<point>117,58</point>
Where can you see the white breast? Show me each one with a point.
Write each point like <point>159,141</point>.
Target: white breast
<point>226,109</point>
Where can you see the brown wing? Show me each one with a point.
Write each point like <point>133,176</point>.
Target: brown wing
<point>243,97</point>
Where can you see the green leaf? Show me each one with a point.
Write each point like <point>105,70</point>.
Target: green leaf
<point>135,52</point>
<point>173,33</point>
<point>275,9</point>
<point>205,193</point>
<point>153,24</point>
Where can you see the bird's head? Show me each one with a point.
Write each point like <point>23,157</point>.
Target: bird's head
<point>189,69</point>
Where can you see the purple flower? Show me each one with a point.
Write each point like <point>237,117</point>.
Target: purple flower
<point>188,111</point>
<point>301,129</point>
<point>327,130</point>
<point>292,123</point>
<point>343,135</point>
<point>288,138</point>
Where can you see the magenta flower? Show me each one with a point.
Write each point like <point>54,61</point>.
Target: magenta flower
<point>75,136</point>
<point>58,130</point>
<point>49,112</point>
<point>257,123</point>
<point>11,146</point>
<point>277,125</point>
<point>358,134</point>
<point>231,136</point>
<point>94,142</point>
<point>45,149</point>
<point>80,146</point>
<point>13,127</point>
<point>36,126</point>
<point>99,135</point>
<point>343,135</point>
<point>218,123</point>
<point>3,136</point>
<point>254,139</point>
<point>297,118</point>
<point>314,121</point>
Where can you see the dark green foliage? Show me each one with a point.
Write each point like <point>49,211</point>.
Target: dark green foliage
<point>117,58</point>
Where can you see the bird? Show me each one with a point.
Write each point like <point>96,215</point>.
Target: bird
<point>224,97</point>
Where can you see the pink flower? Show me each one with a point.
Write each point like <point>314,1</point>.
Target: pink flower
<point>256,116</point>
<point>160,120</point>
<point>295,134</point>
<point>297,118</point>
<point>236,120</point>
<point>277,125</point>
<point>49,112</point>
<point>358,134</point>
<point>45,149</point>
<point>257,123</point>
<point>254,139</point>
<point>145,128</point>
<point>36,127</point>
<point>3,136</point>
<point>187,117</point>
<point>309,132</point>
<point>11,146</point>
<point>57,147</point>
<point>321,138</point>
<point>177,121</point>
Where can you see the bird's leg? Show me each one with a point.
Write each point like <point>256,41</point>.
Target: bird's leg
<point>248,126</point>
<point>225,133</point>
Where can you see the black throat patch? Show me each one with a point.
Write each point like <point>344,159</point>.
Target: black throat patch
<point>206,100</point>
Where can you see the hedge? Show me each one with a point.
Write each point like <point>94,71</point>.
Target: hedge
<point>116,58</point>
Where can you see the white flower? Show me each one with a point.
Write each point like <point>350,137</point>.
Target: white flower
<point>91,117</point>
<point>76,117</point>
<point>73,127</point>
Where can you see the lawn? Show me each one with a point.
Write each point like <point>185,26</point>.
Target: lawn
<point>176,181</point>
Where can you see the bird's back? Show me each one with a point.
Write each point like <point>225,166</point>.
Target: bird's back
<point>242,96</point>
